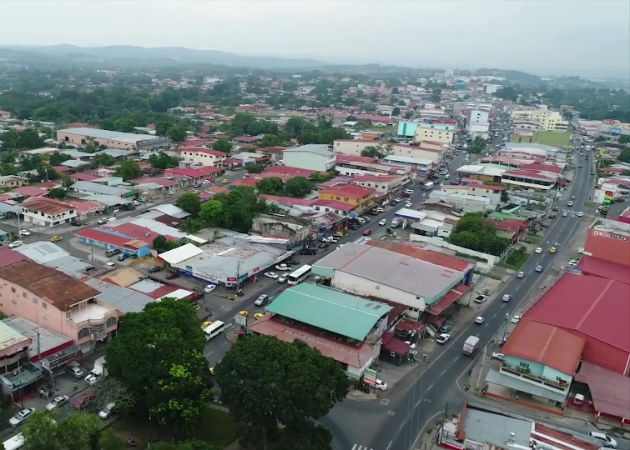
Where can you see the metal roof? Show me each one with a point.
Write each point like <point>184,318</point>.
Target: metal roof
<point>180,254</point>
<point>501,379</point>
<point>123,299</point>
<point>329,309</point>
<point>106,134</point>
<point>318,149</point>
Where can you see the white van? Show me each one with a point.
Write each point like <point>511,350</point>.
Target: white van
<point>14,443</point>
<point>428,185</point>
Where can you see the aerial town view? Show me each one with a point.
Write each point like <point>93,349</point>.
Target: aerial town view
<point>315,225</point>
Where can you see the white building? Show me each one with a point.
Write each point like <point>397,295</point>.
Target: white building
<point>203,156</point>
<point>352,147</point>
<point>47,212</point>
<point>478,123</point>
<point>547,119</point>
<point>311,157</point>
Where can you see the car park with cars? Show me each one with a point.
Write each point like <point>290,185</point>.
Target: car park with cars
<point>443,338</point>
<point>20,416</point>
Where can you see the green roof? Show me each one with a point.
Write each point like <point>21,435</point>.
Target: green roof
<point>329,309</point>
<point>503,216</point>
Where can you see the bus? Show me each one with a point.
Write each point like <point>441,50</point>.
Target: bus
<point>299,275</point>
<point>214,329</point>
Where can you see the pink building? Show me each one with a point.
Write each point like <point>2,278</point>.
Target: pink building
<point>56,301</point>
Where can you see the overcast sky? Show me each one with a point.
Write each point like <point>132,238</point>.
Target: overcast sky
<point>546,37</point>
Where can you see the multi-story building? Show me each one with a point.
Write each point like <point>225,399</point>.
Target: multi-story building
<point>17,374</point>
<point>47,212</point>
<point>357,196</point>
<point>477,124</point>
<point>111,139</point>
<point>203,156</point>
<point>547,119</point>
<point>383,184</point>
<point>56,301</point>
<point>436,130</point>
<point>423,151</point>
<point>311,157</point>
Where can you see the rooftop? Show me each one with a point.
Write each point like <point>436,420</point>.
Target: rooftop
<point>47,205</point>
<point>106,134</point>
<point>60,289</point>
<point>318,149</point>
<point>546,344</point>
<point>11,341</point>
<point>349,190</point>
<point>179,254</point>
<point>329,309</point>
<point>425,255</point>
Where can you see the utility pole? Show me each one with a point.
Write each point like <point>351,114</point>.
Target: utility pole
<point>507,316</point>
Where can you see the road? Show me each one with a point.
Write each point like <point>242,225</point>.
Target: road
<point>398,420</point>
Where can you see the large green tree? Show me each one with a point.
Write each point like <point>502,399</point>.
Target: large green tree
<point>222,145</point>
<point>190,203</point>
<point>300,386</point>
<point>158,356</point>
<point>163,161</point>
<point>80,431</point>
<point>103,160</point>
<point>128,170</point>
<point>57,158</point>
<point>235,210</point>
<point>271,186</point>
<point>297,187</point>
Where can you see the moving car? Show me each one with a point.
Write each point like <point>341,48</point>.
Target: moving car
<point>110,263</point>
<point>408,204</point>
<point>367,232</point>
<point>570,203</point>
<point>515,318</point>
<point>607,440</point>
<point>538,250</point>
<point>506,298</point>
<point>56,239</point>
<point>520,275</point>
<point>209,288</point>
<point>15,244</point>
<point>21,416</point>
<point>281,279</point>
<point>580,214</point>
<point>59,400</point>
<point>107,411</point>
<point>25,233</point>
<point>258,316</point>
<point>539,268</point>
<point>262,300</point>
<point>271,275</point>
<point>83,401</point>
<point>553,250</point>
<point>382,222</point>
<point>282,267</point>
<point>443,338</point>
<point>479,320</point>
<point>565,214</point>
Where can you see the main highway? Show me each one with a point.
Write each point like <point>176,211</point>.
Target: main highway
<point>397,421</point>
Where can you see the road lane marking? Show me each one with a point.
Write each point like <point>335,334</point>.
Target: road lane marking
<point>443,372</point>
<point>430,387</point>
<point>389,445</point>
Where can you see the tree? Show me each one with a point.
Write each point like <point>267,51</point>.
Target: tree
<point>508,93</point>
<point>624,156</point>
<point>270,140</point>
<point>624,139</point>
<point>128,170</point>
<point>80,431</point>
<point>271,186</point>
<point>504,196</point>
<point>41,433</point>
<point>478,146</point>
<point>57,158</point>
<point>211,211</point>
<point>297,187</point>
<point>235,210</point>
<point>222,145</point>
<point>158,356</point>
<point>161,244</point>
<point>103,160</point>
<point>301,386</point>
<point>396,111</point>
<point>190,203</point>
<point>254,168</point>
<point>177,133</point>
<point>373,151</point>
<point>163,161</point>
<point>57,193</point>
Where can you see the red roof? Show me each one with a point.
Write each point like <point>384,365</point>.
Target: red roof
<point>349,190</point>
<point>546,344</point>
<point>290,171</point>
<point>8,256</point>
<point>491,187</point>
<point>610,391</point>
<point>331,348</point>
<point>608,246</point>
<point>247,139</point>
<point>137,232</point>
<point>334,204</point>
<point>392,344</point>
<point>423,254</point>
<point>511,225</point>
<point>542,168</point>
<point>82,176</point>
<point>594,308</point>
<point>84,207</point>
<point>63,169</point>
<point>96,235</point>
<point>343,158</point>
<point>249,182</point>
<point>31,191</point>
<point>287,200</point>
<point>605,269</point>
<point>47,205</point>
<point>449,298</point>
<point>527,174</point>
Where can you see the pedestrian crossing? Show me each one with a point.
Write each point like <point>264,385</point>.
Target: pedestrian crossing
<point>361,447</point>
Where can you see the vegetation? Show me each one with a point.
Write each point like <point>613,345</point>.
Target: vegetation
<point>23,140</point>
<point>555,138</point>
<point>624,139</point>
<point>80,431</point>
<point>624,156</point>
<point>515,258</point>
<point>190,203</point>
<point>103,160</point>
<point>473,232</point>
<point>309,132</point>
<point>222,145</point>
<point>57,193</point>
<point>376,151</point>
<point>128,170</point>
<point>300,384</point>
<point>163,161</point>
<point>254,168</point>
<point>161,244</point>
<point>57,158</point>
<point>158,356</point>
<point>478,145</point>
<point>295,187</point>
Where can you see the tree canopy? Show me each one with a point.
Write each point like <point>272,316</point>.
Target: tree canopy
<point>23,140</point>
<point>128,170</point>
<point>300,386</point>
<point>158,357</point>
<point>474,232</point>
<point>222,145</point>
<point>163,161</point>
<point>190,203</point>
<point>235,210</point>
<point>80,431</point>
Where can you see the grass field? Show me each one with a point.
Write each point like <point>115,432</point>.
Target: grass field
<point>515,258</point>
<point>555,138</point>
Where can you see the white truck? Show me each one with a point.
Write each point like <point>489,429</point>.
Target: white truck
<point>470,345</point>
<point>99,369</point>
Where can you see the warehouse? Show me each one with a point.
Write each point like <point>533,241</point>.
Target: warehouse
<point>111,139</point>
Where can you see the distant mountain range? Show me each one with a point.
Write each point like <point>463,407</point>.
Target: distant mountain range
<point>130,56</point>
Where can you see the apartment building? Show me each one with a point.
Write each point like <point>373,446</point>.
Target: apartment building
<point>203,156</point>
<point>47,212</point>
<point>543,116</point>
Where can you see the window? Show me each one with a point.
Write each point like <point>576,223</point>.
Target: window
<point>35,300</point>
<point>110,322</point>
<point>524,365</point>
<point>13,289</point>
<point>44,305</point>
<point>23,294</point>
<point>84,332</point>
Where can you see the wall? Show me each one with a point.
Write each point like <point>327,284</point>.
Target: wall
<point>431,134</point>
<point>481,266</point>
<point>202,158</point>
<point>47,220</point>
<point>308,160</point>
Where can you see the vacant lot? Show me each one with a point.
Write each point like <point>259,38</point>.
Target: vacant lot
<point>555,138</point>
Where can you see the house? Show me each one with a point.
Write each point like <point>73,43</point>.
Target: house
<point>109,239</point>
<point>192,177</point>
<point>315,157</point>
<point>17,374</point>
<point>111,139</point>
<point>359,197</point>
<point>341,326</point>
<point>293,229</point>
<point>57,301</point>
<point>384,184</point>
<point>202,156</point>
<point>47,212</point>
<point>12,181</point>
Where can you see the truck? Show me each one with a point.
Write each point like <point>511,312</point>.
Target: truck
<point>470,345</point>
<point>99,369</point>
<point>428,185</point>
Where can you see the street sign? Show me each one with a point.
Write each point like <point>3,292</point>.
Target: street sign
<point>369,377</point>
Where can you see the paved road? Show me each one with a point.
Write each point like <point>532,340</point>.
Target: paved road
<point>412,405</point>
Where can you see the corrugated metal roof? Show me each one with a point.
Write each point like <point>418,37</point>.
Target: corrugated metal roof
<point>329,309</point>
<point>180,254</point>
<point>610,390</point>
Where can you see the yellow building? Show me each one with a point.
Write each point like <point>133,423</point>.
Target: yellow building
<point>357,196</point>
<point>547,120</point>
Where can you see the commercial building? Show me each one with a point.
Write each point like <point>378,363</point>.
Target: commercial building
<point>542,115</point>
<point>426,150</point>
<point>489,191</point>
<point>359,197</point>
<point>362,165</point>
<point>110,239</point>
<point>111,139</point>
<point>198,156</point>
<point>55,257</point>
<point>477,123</point>
<point>437,130</point>
<point>462,201</point>
<point>17,374</point>
<point>47,212</point>
<point>342,327</point>
<point>315,157</point>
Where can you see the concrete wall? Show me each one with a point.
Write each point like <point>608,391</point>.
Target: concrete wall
<point>308,160</point>
<point>483,267</point>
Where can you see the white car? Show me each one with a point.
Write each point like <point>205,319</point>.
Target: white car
<point>60,400</point>
<point>520,275</point>
<point>282,267</point>
<point>380,385</point>
<point>515,319</point>
<point>580,214</point>
<point>15,244</point>
<point>499,356</point>
<point>281,279</point>
<point>91,379</point>
<point>479,320</point>
<point>539,268</point>
<point>261,300</point>
<point>443,338</point>
<point>272,275</point>
<point>110,263</point>
<point>408,204</point>
<point>506,298</point>
<point>25,233</point>
<point>209,288</point>
<point>382,222</point>
<point>538,250</point>
<point>21,416</point>
<point>607,440</point>
<point>107,411</point>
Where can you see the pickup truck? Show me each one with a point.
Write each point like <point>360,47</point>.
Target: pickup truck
<point>481,298</point>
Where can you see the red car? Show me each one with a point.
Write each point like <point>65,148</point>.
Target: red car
<point>367,232</point>
<point>84,400</point>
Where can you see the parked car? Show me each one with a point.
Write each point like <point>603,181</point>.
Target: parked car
<point>76,371</point>
<point>107,411</point>
<point>25,233</point>
<point>83,401</point>
<point>446,328</point>
<point>123,256</point>
<point>479,320</point>
<point>272,275</point>
<point>382,222</point>
<point>604,438</point>
<point>102,221</point>
<point>380,385</point>
<point>262,300</point>
<point>481,298</point>
<point>282,267</point>
<point>499,356</point>
<point>91,379</point>
<point>367,232</point>
<point>380,209</point>
<point>110,263</point>
<point>21,416</point>
<point>209,288</point>
<point>258,316</point>
<point>154,269</point>
<point>515,319</point>
<point>443,338</point>
<point>15,244</point>
<point>59,400</point>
